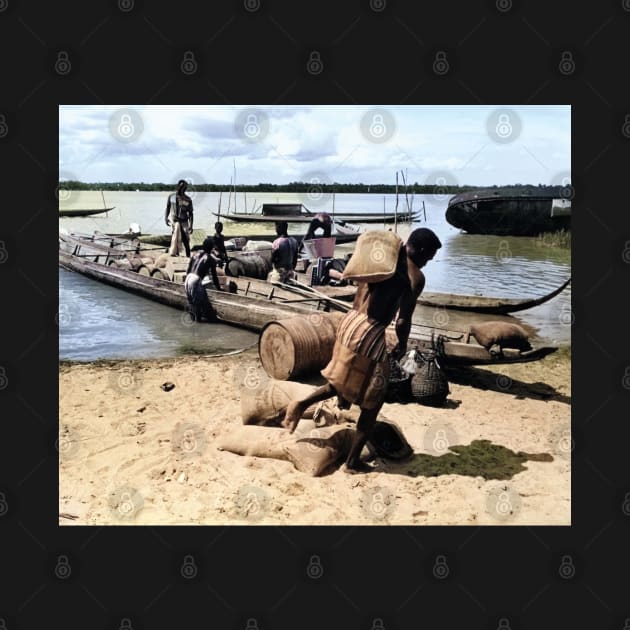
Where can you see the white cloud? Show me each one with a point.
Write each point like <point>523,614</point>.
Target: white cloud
<point>305,139</point>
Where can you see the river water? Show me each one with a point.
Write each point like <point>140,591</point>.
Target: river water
<point>97,321</point>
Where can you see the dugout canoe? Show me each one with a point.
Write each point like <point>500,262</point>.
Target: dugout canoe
<point>82,212</point>
<point>248,308</point>
<point>165,239</point>
<point>470,303</point>
<point>244,217</point>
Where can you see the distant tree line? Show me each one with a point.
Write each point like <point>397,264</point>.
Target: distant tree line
<point>306,187</point>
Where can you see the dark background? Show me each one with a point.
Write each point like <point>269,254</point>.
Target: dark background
<point>499,53</point>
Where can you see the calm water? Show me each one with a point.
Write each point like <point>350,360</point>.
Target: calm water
<point>104,322</point>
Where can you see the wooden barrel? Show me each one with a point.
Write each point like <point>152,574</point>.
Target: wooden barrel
<point>159,274</point>
<point>298,345</point>
<point>252,265</point>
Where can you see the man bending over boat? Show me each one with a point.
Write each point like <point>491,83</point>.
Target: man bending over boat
<point>202,263</point>
<point>284,255</point>
<point>179,215</point>
<point>322,221</point>
<point>359,369</point>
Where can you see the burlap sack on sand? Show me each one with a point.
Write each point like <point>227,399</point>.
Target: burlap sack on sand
<point>319,451</point>
<point>267,403</point>
<point>375,257</point>
<point>257,441</point>
<point>502,334</point>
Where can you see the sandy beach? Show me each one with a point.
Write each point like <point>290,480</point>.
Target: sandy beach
<point>497,454</point>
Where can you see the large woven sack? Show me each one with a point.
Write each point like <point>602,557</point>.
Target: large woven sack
<point>429,385</point>
<point>267,403</point>
<point>375,257</point>
<point>387,441</point>
<point>323,448</point>
<point>270,442</point>
<point>502,334</point>
<point>255,246</point>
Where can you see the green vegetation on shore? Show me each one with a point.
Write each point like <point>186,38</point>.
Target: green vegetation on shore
<point>305,187</point>
<point>560,238</point>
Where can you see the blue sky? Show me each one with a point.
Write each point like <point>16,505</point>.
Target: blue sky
<point>349,144</point>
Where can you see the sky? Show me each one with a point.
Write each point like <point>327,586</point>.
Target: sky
<point>466,145</point>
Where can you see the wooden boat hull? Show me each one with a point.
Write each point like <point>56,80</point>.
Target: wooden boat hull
<point>165,239</point>
<point>470,303</point>
<point>243,310</point>
<point>78,212</point>
<point>359,218</point>
<point>481,212</point>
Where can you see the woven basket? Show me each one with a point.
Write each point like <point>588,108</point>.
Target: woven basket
<point>429,385</point>
<point>399,384</point>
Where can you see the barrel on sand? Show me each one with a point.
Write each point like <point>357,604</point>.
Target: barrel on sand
<point>291,347</point>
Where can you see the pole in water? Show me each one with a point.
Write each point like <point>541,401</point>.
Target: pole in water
<point>396,208</point>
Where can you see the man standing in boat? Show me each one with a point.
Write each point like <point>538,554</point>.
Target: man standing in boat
<point>179,216</point>
<point>359,369</point>
<point>202,263</point>
<point>284,255</point>
<point>219,241</point>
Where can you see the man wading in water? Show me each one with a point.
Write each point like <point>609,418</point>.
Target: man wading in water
<point>179,215</point>
<point>198,268</point>
<point>359,369</point>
